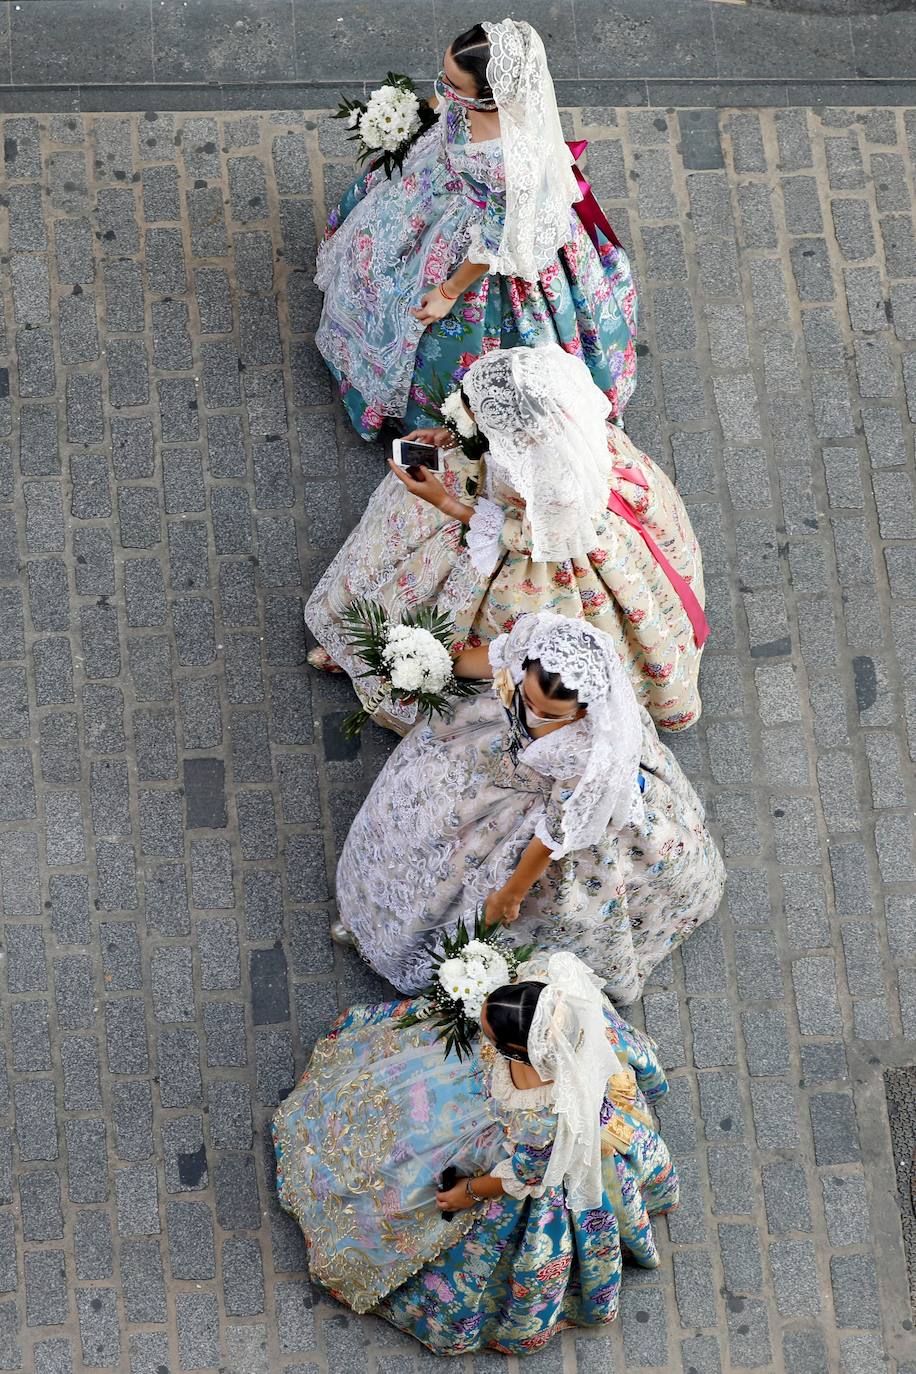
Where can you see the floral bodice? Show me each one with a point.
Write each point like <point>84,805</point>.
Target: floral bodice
<point>528,1120</point>
<point>405,236</point>
<point>481,161</point>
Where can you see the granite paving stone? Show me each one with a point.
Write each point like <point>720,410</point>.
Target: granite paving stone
<point>93,1245</point>
<point>82,1069</point>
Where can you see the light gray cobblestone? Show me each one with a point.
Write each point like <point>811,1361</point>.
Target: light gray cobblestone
<point>165,987</point>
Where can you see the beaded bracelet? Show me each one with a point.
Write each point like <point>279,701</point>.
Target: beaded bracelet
<point>470,1191</point>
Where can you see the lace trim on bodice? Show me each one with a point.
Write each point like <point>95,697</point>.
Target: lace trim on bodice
<point>504,1091</point>
<point>562,754</point>
<point>481,161</point>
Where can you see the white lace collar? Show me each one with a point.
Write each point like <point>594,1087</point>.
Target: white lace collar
<point>566,747</point>
<point>503,1090</point>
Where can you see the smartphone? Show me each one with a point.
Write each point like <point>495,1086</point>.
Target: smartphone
<point>448,1180</point>
<point>407,453</point>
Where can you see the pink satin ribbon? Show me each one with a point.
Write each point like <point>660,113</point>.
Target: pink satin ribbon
<point>589,211</point>
<point>620,506</point>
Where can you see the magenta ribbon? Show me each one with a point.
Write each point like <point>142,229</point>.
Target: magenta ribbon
<point>589,211</point>
<point>688,597</point>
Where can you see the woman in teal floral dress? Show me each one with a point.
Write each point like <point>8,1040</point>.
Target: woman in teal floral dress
<point>559,1168</point>
<point>477,246</point>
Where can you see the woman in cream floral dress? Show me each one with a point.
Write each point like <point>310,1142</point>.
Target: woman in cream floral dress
<point>552,807</point>
<point>569,517</point>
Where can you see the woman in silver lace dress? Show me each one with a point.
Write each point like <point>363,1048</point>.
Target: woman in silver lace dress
<point>549,804</point>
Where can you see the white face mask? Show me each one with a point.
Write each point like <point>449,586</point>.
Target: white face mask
<point>528,718</point>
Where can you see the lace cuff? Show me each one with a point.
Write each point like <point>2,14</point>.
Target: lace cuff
<point>512,1184</point>
<point>557,850</point>
<point>483,533</point>
<point>478,253</point>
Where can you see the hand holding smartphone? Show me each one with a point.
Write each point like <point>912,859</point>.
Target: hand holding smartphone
<point>407,453</point>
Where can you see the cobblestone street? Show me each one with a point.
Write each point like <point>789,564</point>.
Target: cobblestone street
<point>175,786</point>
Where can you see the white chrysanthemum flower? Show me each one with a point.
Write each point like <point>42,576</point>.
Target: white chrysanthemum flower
<point>494,965</point>
<point>407,676</point>
<point>369,130</point>
<point>453,410</point>
<point>450,971</point>
<point>416,659</point>
<point>391,117</point>
<point>499,972</point>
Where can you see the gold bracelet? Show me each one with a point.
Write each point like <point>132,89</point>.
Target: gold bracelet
<point>446,294</point>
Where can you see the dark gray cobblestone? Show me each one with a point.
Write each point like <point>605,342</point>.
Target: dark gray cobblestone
<point>170,815</point>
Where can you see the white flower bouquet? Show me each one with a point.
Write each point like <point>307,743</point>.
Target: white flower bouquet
<point>460,425</point>
<point>467,969</point>
<point>410,658</point>
<point>388,124</point>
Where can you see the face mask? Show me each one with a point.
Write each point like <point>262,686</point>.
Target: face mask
<point>528,720</point>
<point>446,91</point>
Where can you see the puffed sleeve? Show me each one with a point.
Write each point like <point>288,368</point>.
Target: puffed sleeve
<point>640,1052</point>
<point>565,763</point>
<point>487,234</point>
<point>522,1171</point>
<point>549,829</point>
<point>516,534</point>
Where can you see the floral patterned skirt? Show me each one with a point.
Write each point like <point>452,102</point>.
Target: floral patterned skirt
<point>527,1270</point>
<point>361,1143</point>
<point>585,300</point>
<point>621,905</point>
<point>405,554</point>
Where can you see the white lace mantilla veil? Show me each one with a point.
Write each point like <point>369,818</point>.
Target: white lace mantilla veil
<point>607,792</point>
<point>568,1044</point>
<point>545,422</point>
<point>540,186</point>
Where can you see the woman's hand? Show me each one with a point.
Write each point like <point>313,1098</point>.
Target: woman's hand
<point>425,484</point>
<point>439,438</point>
<point>433,306</point>
<point>456,1199</point>
<point>503,906</point>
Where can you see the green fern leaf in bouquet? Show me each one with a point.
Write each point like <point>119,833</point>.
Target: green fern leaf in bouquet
<point>454,1026</point>
<point>368,630</point>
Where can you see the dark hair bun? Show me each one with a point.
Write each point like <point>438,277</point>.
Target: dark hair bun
<point>551,684</point>
<point>510,1011</point>
<point>471,52</point>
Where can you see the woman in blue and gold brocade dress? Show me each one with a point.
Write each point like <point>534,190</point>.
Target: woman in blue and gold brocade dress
<point>556,1168</point>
